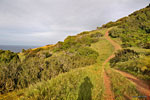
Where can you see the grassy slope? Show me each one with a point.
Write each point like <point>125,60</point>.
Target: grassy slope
<point>142,53</point>
<point>70,84</point>
<point>133,31</point>
<point>136,26</point>
<point>82,82</point>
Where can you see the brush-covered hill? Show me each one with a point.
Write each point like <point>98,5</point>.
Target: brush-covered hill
<point>72,69</point>
<point>133,32</point>
<point>34,65</point>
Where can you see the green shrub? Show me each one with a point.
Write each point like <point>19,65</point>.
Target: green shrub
<point>8,56</point>
<point>96,35</point>
<point>132,30</point>
<point>114,33</point>
<point>124,55</point>
<point>132,62</point>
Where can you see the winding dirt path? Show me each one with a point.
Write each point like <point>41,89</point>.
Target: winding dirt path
<point>108,93</point>
<point>141,85</point>
<point>116,46</point>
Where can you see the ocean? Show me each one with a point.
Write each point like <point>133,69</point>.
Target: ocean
<point>16,48</point>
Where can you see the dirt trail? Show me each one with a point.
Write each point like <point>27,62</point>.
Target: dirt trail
<point>116,46</point>
<point>142,86</point>
<point>109,94</point>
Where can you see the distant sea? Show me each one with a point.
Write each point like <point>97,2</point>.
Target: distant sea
<point>16,48</point>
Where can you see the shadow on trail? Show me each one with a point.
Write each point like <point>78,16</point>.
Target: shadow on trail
<point>85,92</point>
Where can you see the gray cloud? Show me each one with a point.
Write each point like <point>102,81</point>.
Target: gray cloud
<point>42,22</point>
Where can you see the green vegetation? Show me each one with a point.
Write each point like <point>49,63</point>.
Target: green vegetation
<point>133,30</point>
<point>8,56</point>
<point>124,55</point>
<point>70,85</point>
<point>81,40</point>
<point>8,63</point>
<point>41,64</point>
<point>85,83</point>
<point>132,62</point>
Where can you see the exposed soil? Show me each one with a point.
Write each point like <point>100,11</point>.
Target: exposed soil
<point>116,46</point>
<point>108,93</point>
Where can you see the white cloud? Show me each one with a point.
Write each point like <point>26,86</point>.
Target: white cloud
<point>42,22</point>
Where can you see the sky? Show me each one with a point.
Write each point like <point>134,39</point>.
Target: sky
<point>43,22</point>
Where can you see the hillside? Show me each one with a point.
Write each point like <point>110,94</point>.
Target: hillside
<point>134,33</point>
<point>87,66</point>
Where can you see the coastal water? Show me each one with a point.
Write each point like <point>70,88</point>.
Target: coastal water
<point>16,48</point>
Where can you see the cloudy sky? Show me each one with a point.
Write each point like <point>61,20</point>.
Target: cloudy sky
<point>42,22</point>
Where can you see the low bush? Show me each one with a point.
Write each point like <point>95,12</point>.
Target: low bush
<point>8,56</point>
<point>132,62</point>
<point>124,55</point>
